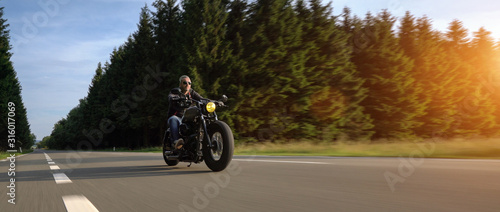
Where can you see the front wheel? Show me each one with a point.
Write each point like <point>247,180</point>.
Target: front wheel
<point>219,154</point>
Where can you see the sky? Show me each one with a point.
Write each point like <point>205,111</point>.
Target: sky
<point>57,44</point>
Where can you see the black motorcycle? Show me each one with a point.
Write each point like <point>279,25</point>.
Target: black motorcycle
<point>205,137</point>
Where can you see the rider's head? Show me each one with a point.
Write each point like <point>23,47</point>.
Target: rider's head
<point>184,83</point>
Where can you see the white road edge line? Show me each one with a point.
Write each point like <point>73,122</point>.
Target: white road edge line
<point>61,178</point>
<point>281,161</point>
<point>77,203</point>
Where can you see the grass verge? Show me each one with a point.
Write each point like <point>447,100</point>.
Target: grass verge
<point>431,149</point>
<point>458,148</point>
<point>4,155</point>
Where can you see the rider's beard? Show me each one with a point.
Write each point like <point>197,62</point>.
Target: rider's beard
<point>184,90</point>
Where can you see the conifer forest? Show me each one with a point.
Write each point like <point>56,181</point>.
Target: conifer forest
<point>292,71</point>
<point>15,130</point>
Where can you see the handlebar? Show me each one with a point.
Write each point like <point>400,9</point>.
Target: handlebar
<point>202,101</point>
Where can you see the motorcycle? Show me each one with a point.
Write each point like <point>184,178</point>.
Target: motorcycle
<point>205,137</point>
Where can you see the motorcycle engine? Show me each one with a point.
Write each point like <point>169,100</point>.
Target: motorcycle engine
<point>184,129</point>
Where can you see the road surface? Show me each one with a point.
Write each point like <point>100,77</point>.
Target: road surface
<point>108,181</point>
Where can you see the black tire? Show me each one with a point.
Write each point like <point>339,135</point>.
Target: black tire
<point>166,139</point>
<point>219,157</point>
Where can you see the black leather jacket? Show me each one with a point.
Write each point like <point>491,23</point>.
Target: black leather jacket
<point>175,97</point>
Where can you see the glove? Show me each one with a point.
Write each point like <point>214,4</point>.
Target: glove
<point>175,98</point>
<point>220,104</point>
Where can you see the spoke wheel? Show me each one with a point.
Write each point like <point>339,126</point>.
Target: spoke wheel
<point>219,153</point>
<point>218,146</point>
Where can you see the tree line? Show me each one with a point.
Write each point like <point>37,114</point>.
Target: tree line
<point>292,70</point>
<point>15,130</point>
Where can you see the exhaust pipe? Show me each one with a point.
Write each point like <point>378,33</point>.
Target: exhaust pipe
<point>173,157</point>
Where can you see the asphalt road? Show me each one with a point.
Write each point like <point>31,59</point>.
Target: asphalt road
<point>101,181</point>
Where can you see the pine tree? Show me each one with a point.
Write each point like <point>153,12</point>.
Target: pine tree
<point>169,57</point>
<point>435,74</point>
<point>275,69</point>
<point>11,93</point>
<point>95,102</point>
<point>475,109</point>
<point>458,37</point>
<point>74,126</point>
<point>118,83</point>
<point>335,89</point>
<point>485,70</point>
<point>408,35</point>
<point>234,87</point>
<point>145,117</point>
<point>208,51</point>
<point>393,93</point>
<point>170,40</point>
<point>95,107</point>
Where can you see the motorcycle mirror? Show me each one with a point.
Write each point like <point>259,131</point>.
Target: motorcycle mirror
<point>224,98</point>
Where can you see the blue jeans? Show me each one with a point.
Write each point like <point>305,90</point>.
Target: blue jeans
<point>174,122</point>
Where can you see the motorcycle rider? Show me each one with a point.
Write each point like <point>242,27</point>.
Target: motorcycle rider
<point>176,110</point>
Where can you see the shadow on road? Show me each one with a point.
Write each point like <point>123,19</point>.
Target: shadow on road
<point>110,172</point>
<point>97,167</point>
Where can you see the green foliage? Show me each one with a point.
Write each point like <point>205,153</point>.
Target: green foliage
<point>43,143</point>
<point>11,93</point>
<point>393,100</point>
<point>292,71</point>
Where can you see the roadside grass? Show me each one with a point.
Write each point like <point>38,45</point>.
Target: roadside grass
<point>4,155</point>
<point>460,148</point>
<point>456,148</point>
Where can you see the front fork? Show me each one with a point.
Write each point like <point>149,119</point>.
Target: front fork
<point>205,132</point>
<point>204,135</point>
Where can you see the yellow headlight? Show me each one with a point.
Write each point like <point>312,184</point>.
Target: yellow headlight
<point>211,107</point>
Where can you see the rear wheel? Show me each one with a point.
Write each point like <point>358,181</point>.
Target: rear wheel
<point>166,144</point>
<point>219,155</point>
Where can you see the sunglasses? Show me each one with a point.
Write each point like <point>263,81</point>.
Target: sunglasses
<point>186,83</point>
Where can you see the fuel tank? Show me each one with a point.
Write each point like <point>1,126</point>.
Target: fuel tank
<point>190,114</point>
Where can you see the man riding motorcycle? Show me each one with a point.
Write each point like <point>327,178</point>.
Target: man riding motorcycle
<point>195,133</point>
<point>176,109</point>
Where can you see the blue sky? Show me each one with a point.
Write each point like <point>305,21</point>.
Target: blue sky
<point>58,43</point>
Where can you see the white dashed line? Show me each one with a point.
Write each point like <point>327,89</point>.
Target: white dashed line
<point>61,178</point>
<point>77,203</point>
<point>73,203</point>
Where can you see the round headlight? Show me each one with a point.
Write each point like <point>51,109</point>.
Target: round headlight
<point>211,107</point>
